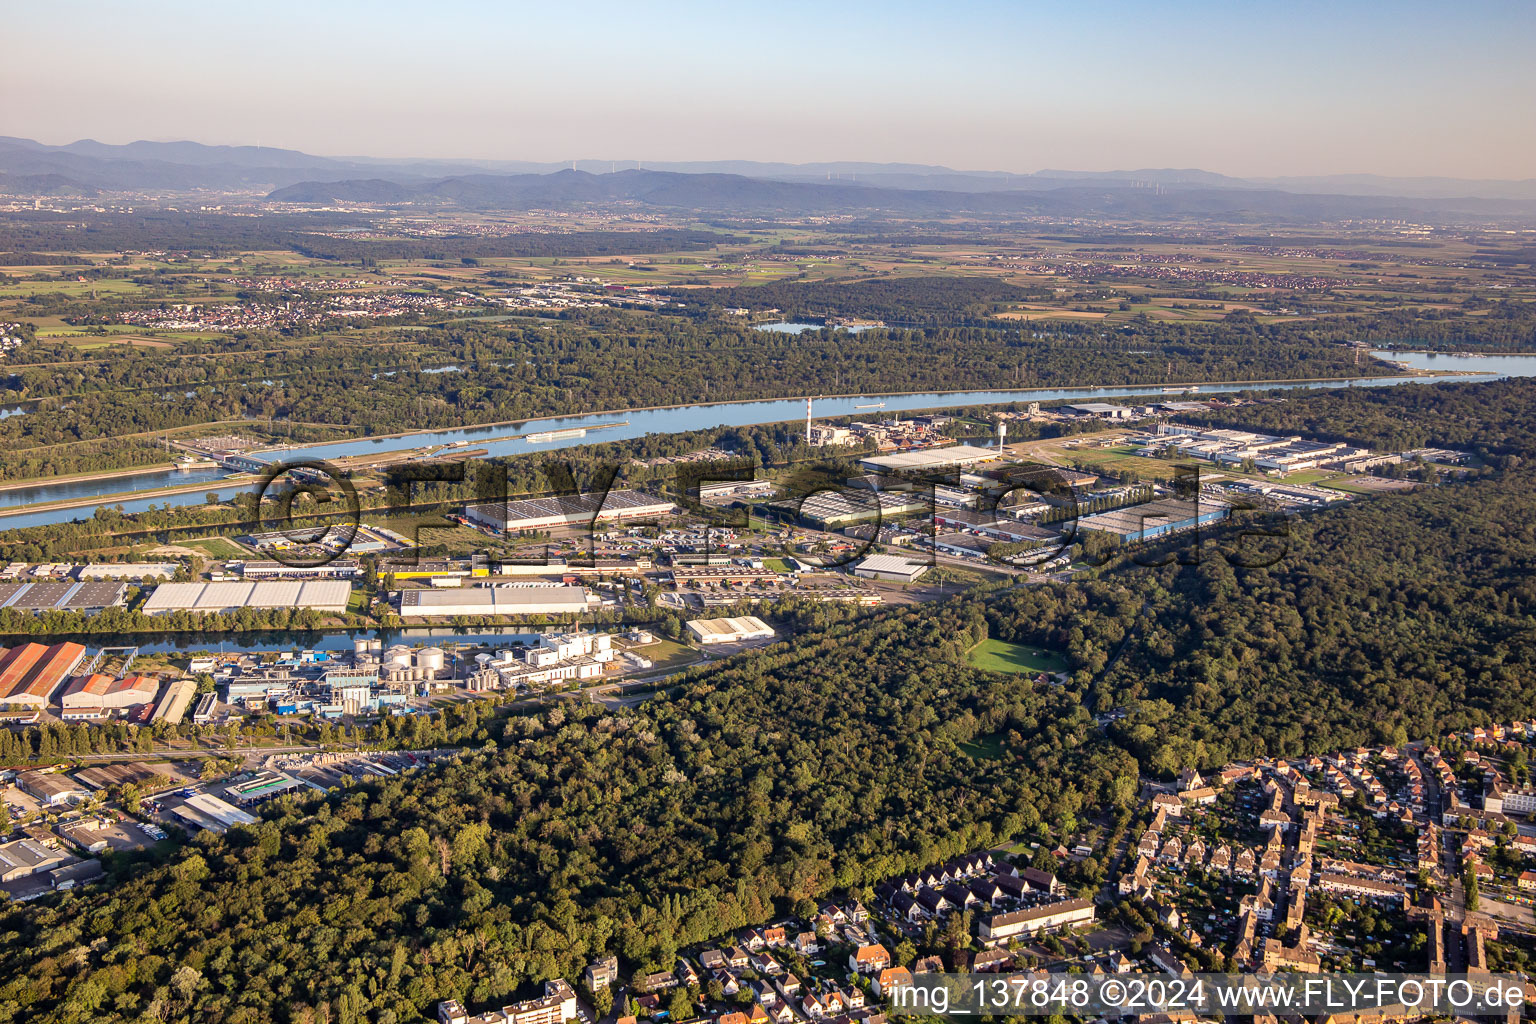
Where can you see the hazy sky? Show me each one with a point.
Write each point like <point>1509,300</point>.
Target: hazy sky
<point>1248,88</point>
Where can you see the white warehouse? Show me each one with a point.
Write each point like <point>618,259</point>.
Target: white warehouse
<point>495,601</point>
<point>321,595</point>
<point>728,631</point>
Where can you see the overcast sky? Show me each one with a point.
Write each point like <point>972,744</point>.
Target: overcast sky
<point>1243,88</point>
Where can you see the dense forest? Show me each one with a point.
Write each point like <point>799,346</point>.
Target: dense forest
<point>830,762</point>
<point>467,373</point>
<point>316,236</point>
<point>940,301</point>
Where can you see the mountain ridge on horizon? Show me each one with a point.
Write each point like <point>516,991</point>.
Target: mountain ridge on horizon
<point>87,167</point>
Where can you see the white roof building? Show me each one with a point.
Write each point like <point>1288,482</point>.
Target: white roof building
<point>726,631</point>
<point>321,595</point>
<point>930,458</point>
<point>494,601</point>
<point>890,567</point>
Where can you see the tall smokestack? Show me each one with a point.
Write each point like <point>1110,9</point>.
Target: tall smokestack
<point>807,419</point>
<point>1002,432</point>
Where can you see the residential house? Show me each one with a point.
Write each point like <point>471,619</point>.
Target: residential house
<point>869,959</point>
<point>991,960</point>
<point>602,973</point>
<point>890,979</point>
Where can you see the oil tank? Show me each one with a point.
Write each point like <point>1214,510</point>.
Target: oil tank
<point>398,656</point>
<point>430,658</point>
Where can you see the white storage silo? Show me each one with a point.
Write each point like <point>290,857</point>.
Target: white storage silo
<point>431,659</point>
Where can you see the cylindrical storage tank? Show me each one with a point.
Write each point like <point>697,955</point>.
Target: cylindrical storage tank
<point>430,658</point>
<point>376,645</point>
<point>360,645</point>
<point>398,657</point>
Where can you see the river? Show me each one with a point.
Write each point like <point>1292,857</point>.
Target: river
<point>625,425</point>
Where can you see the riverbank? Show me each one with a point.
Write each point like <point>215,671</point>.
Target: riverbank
<point>233,480</point>
<point>106,474</point>
<point>673,419</point>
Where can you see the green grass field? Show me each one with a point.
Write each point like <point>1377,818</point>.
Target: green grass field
<point>1002,656</point>
<point>218,547</point>
<point>668,654</point>
<point>1340,485</point>
<point>984,748</point>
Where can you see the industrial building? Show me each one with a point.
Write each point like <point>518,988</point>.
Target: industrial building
<point>173,703</point>
<point>713,574</point>
<point>492,601</point>
<point>62,596</point>
<point>721,489</point>
<point>831,510</point>
<point>206,811</point>
<point>436,568</point>
<point>1157,518</point>
<point>28,857</point>
<point>320,595</point>
<point>890,567</point>
<point>96,695</point>
<point>30,674</point>
<point>927,459</point>
<point>1267,454</point>
<point>263,786</point>
<point>962,545</point>
<point>556,657</point>
<point>729,631</point>
<point>128,571</point>
<point>51,789</point>
<point>104,775</point>
<point>1100,411</point>
<point>339,569</point>
<point>574,510</point>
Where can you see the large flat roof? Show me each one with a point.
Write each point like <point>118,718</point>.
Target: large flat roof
<point>931,458</point>
<point>208,811</point>
<point>1153,515</point>
<point>575,506</point>
<point>493,601</point>
<point>47,595</point>
<point>891,564</point>
<point>212,597</point>
<point>745,626</point>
